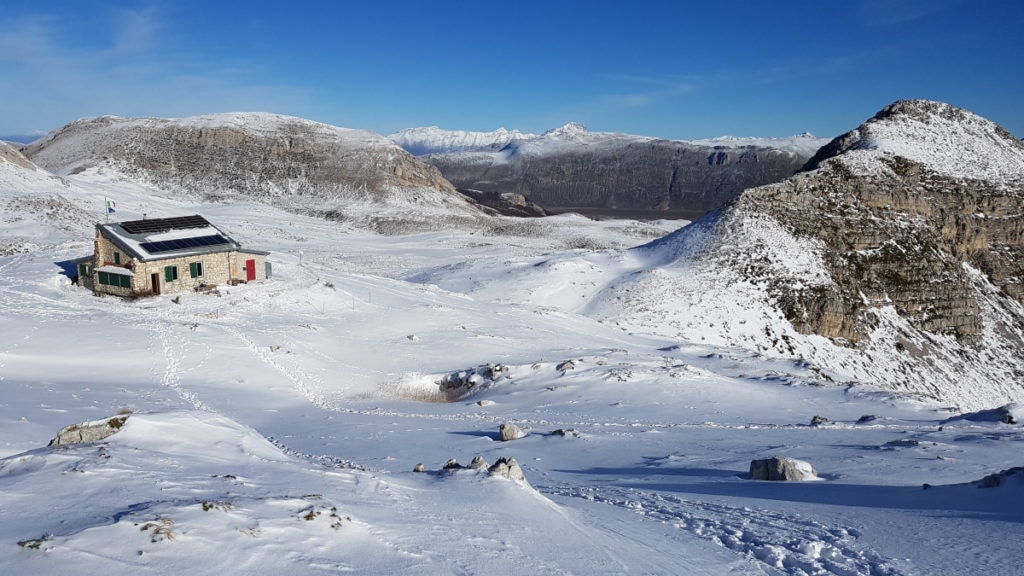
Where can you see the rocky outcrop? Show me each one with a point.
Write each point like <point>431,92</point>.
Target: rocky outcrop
<point>508,431</point>
<point>507,468</point>
<point>88,431</point>
<point>507,204</point>
<point>901,232</point>
<point>781,468</point>
<point>9,154</point>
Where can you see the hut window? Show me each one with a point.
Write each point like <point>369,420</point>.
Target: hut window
<point>195,269</point>
<point>117,257</point>
<point>170,273</point>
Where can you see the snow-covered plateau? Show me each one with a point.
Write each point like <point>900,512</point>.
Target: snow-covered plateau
<point>274,427</point>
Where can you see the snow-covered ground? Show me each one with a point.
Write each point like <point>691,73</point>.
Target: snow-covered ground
<point>274,427</point>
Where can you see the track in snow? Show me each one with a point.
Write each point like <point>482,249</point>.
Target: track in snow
<point>782,543</point>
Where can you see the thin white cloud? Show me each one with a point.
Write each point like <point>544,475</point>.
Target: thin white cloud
<point>50,77</point>
<point>652,90</point>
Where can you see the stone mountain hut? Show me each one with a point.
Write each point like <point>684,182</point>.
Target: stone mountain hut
<point>165,256</point>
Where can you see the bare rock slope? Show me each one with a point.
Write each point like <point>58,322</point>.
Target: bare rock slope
<point>292,162</point>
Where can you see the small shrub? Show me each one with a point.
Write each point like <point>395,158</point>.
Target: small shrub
<point>35,543</point>
<point>162,529</point>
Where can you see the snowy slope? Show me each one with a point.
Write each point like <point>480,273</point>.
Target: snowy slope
<point>38,208</point>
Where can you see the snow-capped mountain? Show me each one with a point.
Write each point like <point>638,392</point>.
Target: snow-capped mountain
<point>571,168</point>
<point>291,162</point>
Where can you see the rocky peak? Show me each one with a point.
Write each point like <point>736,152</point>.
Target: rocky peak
<point>902,230</point>
<point>569,130</point>
<point>943,139</point>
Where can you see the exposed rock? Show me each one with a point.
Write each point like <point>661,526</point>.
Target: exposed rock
<point>478,463</point>
<point>566,366</point>
<point>819,420</point>
<point>566,432</point>
<point>89,431</point>
<point>907,443</point>
<point>419,468</point>
<point>485,403</point>
<point>507,468</point>
<point>452,464</point>
<point>781,468</point>
<point>510,431</point>
<point>9,154</point>
<point>507,204</point>
<point>290,162</point>
<point>472,380</point>
<point>867,418</point>
<point>996,480</point>
<point>1006,414</point>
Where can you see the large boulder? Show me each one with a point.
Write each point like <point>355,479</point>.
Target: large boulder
<point>507,468</point>
<point>510,431</point>
<point>88,431</point>
<point>781,468</point>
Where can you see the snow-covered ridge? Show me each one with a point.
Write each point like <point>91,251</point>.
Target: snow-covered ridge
<point>261,123</point>
<point>430,140</point>
<point>947,140</point>
<point>805,143</point>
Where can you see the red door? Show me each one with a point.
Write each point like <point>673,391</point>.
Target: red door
<point>250,270</point>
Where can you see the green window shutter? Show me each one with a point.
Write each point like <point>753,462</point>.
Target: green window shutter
<point>83,270</point>
<point>169,273</point>
<point>117,257</point>
<point>193,269</point>
<point>103,278</point>
<point>126,281</point>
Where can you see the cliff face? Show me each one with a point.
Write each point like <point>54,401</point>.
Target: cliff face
<point>291,161</point>
<point>909,232</point>
<point>573,169</point>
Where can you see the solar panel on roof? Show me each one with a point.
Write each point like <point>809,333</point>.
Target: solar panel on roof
<point>183,243</point>
<point>164,224</point>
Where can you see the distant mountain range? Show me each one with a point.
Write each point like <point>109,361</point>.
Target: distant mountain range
<point>572,169</point>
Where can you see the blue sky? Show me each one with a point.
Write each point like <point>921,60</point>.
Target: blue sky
<point>672,69</point>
